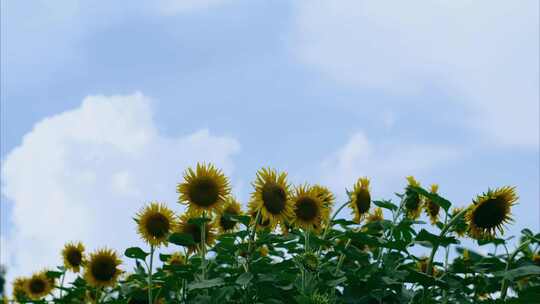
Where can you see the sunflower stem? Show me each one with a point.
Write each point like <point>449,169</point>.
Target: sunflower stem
<point>329,225</point>
<point>203,247</point>
<point>445,229</point>
<point>504,283</point>
<point>62,283</point>
<point>150,274</point>
<point>252,238</point>
<point>342,256</point>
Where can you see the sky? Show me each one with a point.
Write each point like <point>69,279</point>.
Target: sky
<point>105,104</point>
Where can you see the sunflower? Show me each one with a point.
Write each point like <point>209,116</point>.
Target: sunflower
<point>231,207</point>
<point>327,197</point>
<point>413,202</point>
<point>204,189</point>
<point>466,255</point>
<point>309,209</point>
<point>101,269</point>
<point>263,250</point>
<point>271,197</point>
<point>360,199</point>
<point>176,259</point>
<point>19,292</point>
<point>155,223</point>
<point>490,211</point>
<point>422,266</point>
<point>536,259</point>
<point>431,208</point>
<point>193,229</point>
<point>377,215</point>
<point>73,255</point>
<point>460,227</point>
<point>38,285</point>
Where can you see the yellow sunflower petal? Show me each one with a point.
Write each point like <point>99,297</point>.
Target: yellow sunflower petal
<point>360,199</point>
<point>271,197</point>
<point>38,285</point>
<point>187,227</point>
<point>73,256</point>
<point>309,209</point>
<point>490,211</point>
<point>101,269</point>
<point>204,189</point>
<point>155,222</point>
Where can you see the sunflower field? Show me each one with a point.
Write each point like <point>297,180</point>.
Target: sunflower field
<point>290,246</point>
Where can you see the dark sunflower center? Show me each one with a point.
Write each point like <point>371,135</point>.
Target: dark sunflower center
<point>74,257</point>
<point>274,198</point>
<point>226,223</point>
<point>158,225</point>
<point>103,269</point>
<point>37,286</point>
<point>412,201</point>
<point>363,201</point>
<point>194,230</point>
<point>490,213</point>
<point>204,192</point>
<point>433,208</point>
<point>306,209</point>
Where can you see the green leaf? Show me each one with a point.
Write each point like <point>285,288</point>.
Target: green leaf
<point>336,282</point>
<point>206,284</point>
<point>434,240</point>
<point>520,272</point>
<point>244,278</point>
<point>182,239</point>
<point>54,274</point>
<point>442,202</point>
<point>135,253</point>
<point>386,205</point>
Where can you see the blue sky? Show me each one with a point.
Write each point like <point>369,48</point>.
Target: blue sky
<point>329,91</point>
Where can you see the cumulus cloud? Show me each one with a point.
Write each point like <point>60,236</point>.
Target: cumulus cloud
<point>483,53</point>
<point>386,163</point>
<point>82,175</point>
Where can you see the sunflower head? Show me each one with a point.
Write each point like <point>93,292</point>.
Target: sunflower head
<point>192,228</point>
<point>466,255</point>
<point>360,199</point>
<point>176,258</point>
<point>38,285</point>
<point>309,209</point>
<point>271,196</point>
<point>19,291</point>
<point>231,207</point>
<point>432,209</point>
<point>204,189</point>
<point>73,256</point>
<point>461,226</point>
<point>101,269</point>
<point>327,198</point>
<point>422,266</point>
<point>377,215</point>
<point>413,202</point>
<point>536,259</point>
<point>490,211</point>
<point>263,250</point>
<point>154,223</point>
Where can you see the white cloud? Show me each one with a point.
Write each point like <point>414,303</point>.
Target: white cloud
<point>484,53</point>
<point>173,7</point>
<point>386,163</point>
<point>82,175</point>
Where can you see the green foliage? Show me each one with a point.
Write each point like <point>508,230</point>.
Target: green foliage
<point>371,262</point>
